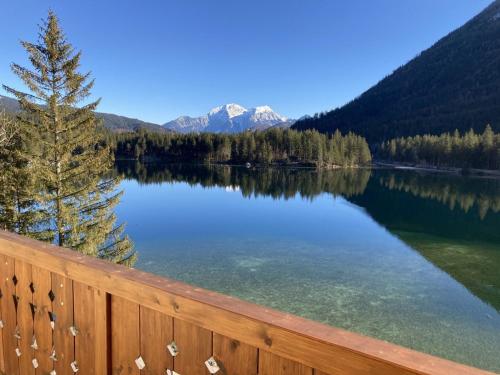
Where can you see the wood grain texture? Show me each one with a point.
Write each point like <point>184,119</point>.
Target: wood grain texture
<point>62,307</point>
<point>2,361</point>
<point>9,317</point>
<point>270,364</point>
<point>84,320</point>
<point>102,316</point>
<point>125,338</point>
<point>42,282</point>
<point>25,317</point>
<point>2,277</point>
<point>156,333</point>
<point>195,347</point>
<point>234,357</point>
<point>312,344</point>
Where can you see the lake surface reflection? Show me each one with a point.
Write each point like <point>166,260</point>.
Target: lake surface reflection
<point>403,256</point>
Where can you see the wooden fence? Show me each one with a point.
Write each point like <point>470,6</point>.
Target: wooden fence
<point>62,312</point>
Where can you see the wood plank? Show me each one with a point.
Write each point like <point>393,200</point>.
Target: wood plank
<point>62,307</point>
<point>270,364</point>
<point>84,318</point>
<point>125,339</point>
<point>42,281</point>
<point>25,317</point>
<point>156,333</point>
<point>2,361</point>
<point>316,345</point>
<point>195,347</point>
<point>234,357</point>
<point>9,317</point>
<point>102,316</point>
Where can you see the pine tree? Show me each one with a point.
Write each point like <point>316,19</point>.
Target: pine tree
<point>7,129</point>
<point>71,159</point>
<point>488,146</point>
<point>18,191</point>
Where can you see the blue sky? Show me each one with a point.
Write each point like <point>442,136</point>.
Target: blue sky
<point>156,60</point>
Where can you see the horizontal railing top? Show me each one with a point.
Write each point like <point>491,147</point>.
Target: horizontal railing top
<point>319,346</point>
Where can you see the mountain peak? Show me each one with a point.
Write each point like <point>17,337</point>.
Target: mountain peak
<point>266,113</point>
<point>229,118</point>
<point>263,108</point>
<point>231,109</point>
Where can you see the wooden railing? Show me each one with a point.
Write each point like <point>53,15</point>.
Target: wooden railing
<point>62,312</point>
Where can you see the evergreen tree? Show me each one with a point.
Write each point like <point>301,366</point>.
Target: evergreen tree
<point>18,191</point>
<point>71,159</point>
<point>7,129</point>
<point>470,150</point>
<point>281,146</point>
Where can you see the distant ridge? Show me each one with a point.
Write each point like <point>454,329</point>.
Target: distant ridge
<point>112,122</point>
<point>230,118</point>
<point>453,84</point>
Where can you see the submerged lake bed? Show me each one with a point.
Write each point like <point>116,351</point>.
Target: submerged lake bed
<point>408,257</point>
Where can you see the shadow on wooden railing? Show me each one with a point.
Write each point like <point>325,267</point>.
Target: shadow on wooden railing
<point>62,312</point>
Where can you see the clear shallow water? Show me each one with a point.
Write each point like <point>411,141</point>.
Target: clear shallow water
<point>409,258</point>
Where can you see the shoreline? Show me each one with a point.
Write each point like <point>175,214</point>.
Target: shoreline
<point>429,168</point>
<point>252,165</point>
<point>484,173</point>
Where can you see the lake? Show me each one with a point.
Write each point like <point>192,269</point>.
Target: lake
<point>404,256</point>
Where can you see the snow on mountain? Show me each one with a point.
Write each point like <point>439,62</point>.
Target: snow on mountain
<point>230,118</point>
<point>229,110</point>
<point>186,124</point>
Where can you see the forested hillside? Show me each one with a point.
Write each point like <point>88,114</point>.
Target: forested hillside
<point>110,121</point>
<point>455,84</point>
<point>267,147</point>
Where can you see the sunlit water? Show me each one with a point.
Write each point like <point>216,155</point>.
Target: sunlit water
<point>409,258</point>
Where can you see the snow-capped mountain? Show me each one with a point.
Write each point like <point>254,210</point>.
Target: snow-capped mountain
<point>186,124</point>
<point>230,118</point>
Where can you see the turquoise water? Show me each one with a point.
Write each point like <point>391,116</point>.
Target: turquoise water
<point>406,257</point>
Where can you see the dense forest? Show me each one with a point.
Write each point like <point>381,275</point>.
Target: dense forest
<point>453,84</point>
<point>468,150</point>
<point>275,146</point>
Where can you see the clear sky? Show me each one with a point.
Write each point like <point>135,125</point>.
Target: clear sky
<point>156,60</point>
